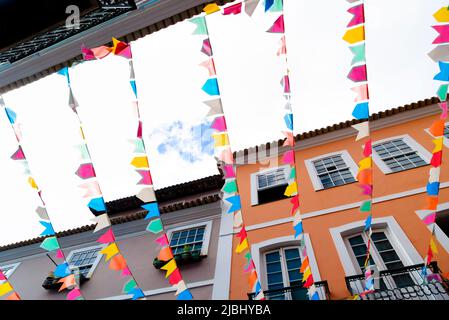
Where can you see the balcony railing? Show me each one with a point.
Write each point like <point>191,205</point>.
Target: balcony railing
<point>297,292</point>
<point>405,283</point>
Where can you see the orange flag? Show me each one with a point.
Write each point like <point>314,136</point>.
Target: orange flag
<point>252,279</point>
<point>437,128</point>
<point>67,282</point>
<point>432,203</point>
<point>304,265</point>
<point>13,296</point>
<point>165,254</point>
<point>118,262</point>
<point>365,177</point>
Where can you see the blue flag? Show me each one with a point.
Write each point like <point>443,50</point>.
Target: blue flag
<point>185,295</point>
<point>433,188</point>
<point>361,111</point>
<point>443,75</point>
<point>62,270</point>
<point>11,115</point>
<point>235,203</point>
<point>97,204</point>
<point>211,87</point>
<point>153,210</point>
<point>49,231</point>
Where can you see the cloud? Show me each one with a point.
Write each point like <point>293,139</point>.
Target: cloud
<point>192,142</point>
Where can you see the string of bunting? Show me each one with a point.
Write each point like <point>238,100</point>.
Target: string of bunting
<point>86,172</point>
<point>278,27</point>
<point>355,36</point>
<point>222,146</point>
<point>141,164</point>
<point>439,54</point>
<point>7,288</point>
<point>68,278</point>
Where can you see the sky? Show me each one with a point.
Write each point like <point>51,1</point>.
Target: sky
<point>169,81</point>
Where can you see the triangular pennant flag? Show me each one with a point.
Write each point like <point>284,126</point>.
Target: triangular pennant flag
<point>368,149</point>
<point>211,8</point>
<point>210,66</point>
<point>97,204</point>
<point>438,145</point>
<point>211,87</point>
<point>83,152</point>
<point>359,53</point>
<point>175,277</point>
<point>219,124</point>
<point>436,159</point>
<point>207,48</point>
<point>437,128</point>
<point>355,35</point>
<point>242,246</point>
<point>289,141</point>
<point>62,270</point>
<point>443,36</point>
<point>32,183</point>
<point>430,218</point>
<point>132,74</point>
<point>126,272</point>
<point>162,240</point>
<point>277,6</point>
<point>292,189</point>
<point>73,104</point>
<point>235,203</point>
<point>361,111</point>
<point>60,254</point>
<point>362,130</point>
<point>358,74</point>
<point>443,75</point>
<point>282,47</point>
<point>153,210</point>
<point>432,203</point>
<point>185,295</point>
<point>165,254</point>
<point>42,213</point>
<point>433,188</point>
<point>229,171</point>
<point>86,171</point>
<point>366,206</point>
<point>289,157</point>
<point>442,15</point>
<point>139,130</point>
<point>137,293</point>
<point>180,287</point>
<point>215,107</point>
<point>49,231</point>
<point>110,251</point>
<point>304,264</point>
<point>434,174</point>
<point>433,246</point>
<point>365,177</point>
<point>362,92</point>
<point>50,244</point>
<point>288,118</point>
<point>268,4</point>
<point>226,156</point>
<point>250,6</point>
<point>147,194</point>
<point>138,145</point>
<point>365,163</point>
<point>13,296</point>
<point>358,18</point>
<point>92,188</point>
<point>298,229</point>
<point>67,282</point>
<point>444,110</point>
<point>146,177</point>
<point>221,140</point>
<point>367,189</point>
<point>12,116</point>
<point>230,187</point>
<point>295,202</point>
<point>440,53</point>
<point>155,226</point>
<point>140,162</point>
<point>18,155</point>
<point>234,9</point>
<point>74,294</point>
<point>5,288</point>
<point>169,267</point>
<point>285,83</point>
<point>278,26</point>
<point>107,237</point>
<point>129,286</point>
<point>117,263</point>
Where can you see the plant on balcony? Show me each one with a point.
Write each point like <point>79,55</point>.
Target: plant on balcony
<point>185,257</point>
<point>51,282</point>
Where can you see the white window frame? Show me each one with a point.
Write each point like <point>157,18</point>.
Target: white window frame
<point>442,238</point>
<point>253,180</point>
<point>398,239</point>
<point>13,267</point>
<point>445,140</point>
<point>207,233</point>
<point>412,143</point>
<point>313,174</point>
<point>281,249</point>
<point>96,262</point>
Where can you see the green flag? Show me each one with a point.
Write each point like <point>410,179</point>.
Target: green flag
<point>155,226</point>
<point>201,28</point>
<point>359,53</point>
<point>366,206</point>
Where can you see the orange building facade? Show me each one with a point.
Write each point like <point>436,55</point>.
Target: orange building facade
<point>330,197</point>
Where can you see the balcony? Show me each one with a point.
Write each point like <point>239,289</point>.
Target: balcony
<point>297,292</point>
<point>403,284</point>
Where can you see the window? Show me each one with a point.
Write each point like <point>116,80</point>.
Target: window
<point>446,131</point>
<point>398,155</point>
<point>196,236</point>
<point>382,254</point>
<point>269,185</point>
<point>333,171</point>
<point>8,270</point>
<point>442,221</point>
<point>190,237</point>
<point>282,271</point>
<point>86,260</point>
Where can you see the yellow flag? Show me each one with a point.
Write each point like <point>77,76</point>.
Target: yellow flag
<point>242,246</point>
<point>438,145</point>
<point>442,15</point>
<point>110,251</point>
<point>306,274</point>
<point>115,42</point>
<point>140,162</point>
<point>433,246</point>
<point>355,35</point>
<point>211,8</point>
<point>170,267</point>
<point>82,133</point>
<point>32,183</point>
<point>291,189</point>
<point>5,288</point>
<point>221,140</point>
<point>365,164</point>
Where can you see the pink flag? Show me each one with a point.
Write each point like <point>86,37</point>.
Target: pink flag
<point>146,177</point>
<point>443,34</point>
<point>139,130</point>
<point>229,171</point>
<point>101,52</point>
<point>278,26</point>
<point>86,171</point>
<point>207,48</point>
<point>226,156</point>
<point>358,74</point>
<point>359,17</point>
<point>234,9</point>
<point>250,266</point>
<point>73,294</point>
<point>443,107</point>
<point>87,53</point>
<point>163,241</point>
<point>367,189</point>
<point>362,92</point>
<point>429,219</point>
<point>2,276</point>
<point>210,66</point>
<point>107,237</point>
<point>126,272</point>
<point>18,155</point>
<point>285,82</point>
<point>367,149</point>
<point>289,157</point>
<point>126,52</point>
<point>59,254</point>
<point>92,189</point>
<point>219,124</point>
<point>283,47</point>
<point>289,141</point>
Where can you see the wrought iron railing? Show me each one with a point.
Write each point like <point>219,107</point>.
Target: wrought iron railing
<point>406,283</point>
<point>297,292</point>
